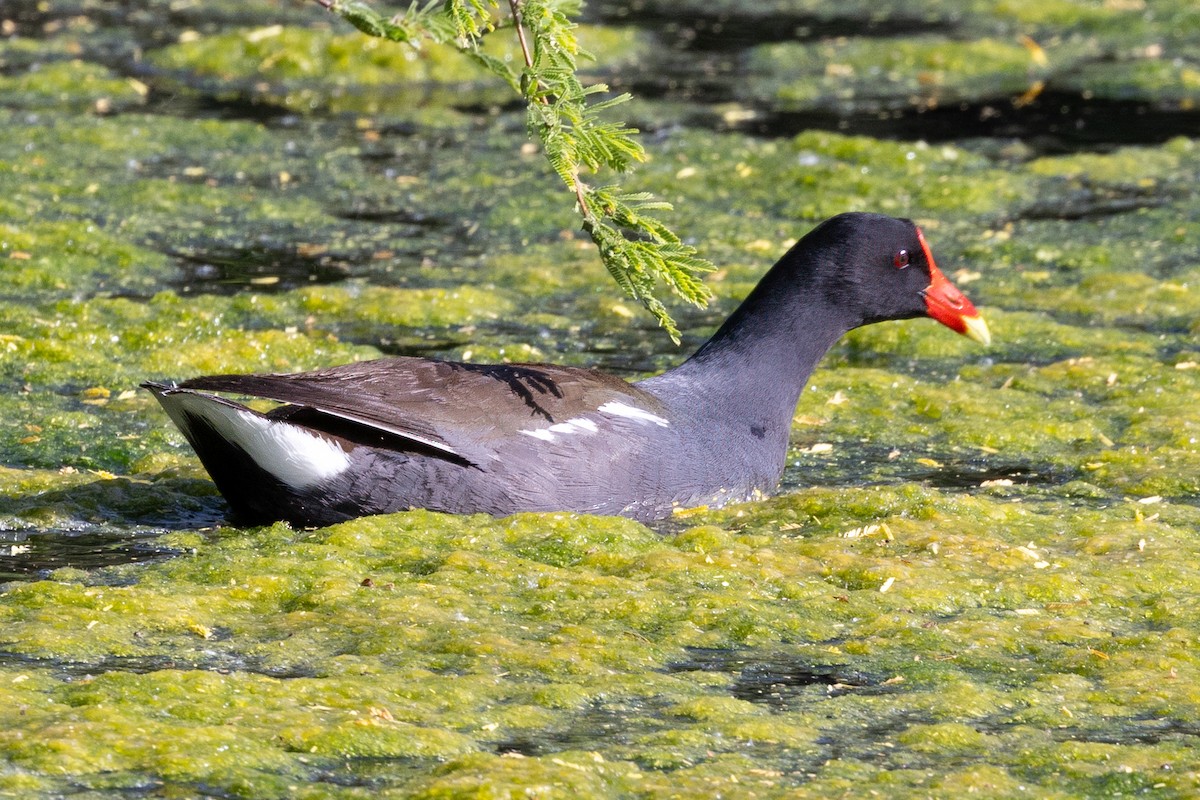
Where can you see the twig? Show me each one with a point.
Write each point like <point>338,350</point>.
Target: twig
<point>515,5</point>
<point>579,186</point>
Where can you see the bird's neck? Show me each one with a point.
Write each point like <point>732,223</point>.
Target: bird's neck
<point>757,364</point>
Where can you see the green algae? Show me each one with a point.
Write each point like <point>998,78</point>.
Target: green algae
<point>1174,82</point>
<point>293,55</point>
<point>74,85</point>
<point>872,74</point>
<point>435,642</point>
<point>477,623</point>
<point>306,69</point>
<point>979,577</point>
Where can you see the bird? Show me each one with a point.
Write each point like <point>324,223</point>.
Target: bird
<point>401,433</point>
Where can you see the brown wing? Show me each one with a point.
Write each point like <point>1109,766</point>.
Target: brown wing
<point>459,409</point>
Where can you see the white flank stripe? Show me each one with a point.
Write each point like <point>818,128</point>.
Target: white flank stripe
<point>290,453</point>
<point>575,425</point>
<point>617,409</point>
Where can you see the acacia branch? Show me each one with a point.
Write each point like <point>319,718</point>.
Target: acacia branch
<point>579,187</point>
<point>638,250</point>
<point>515,6</point>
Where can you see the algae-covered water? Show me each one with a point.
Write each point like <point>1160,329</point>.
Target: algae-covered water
<point>981,575</point>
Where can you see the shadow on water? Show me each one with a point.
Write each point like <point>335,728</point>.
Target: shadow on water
<point>970,476</point>
<point>856,463</point>
<point>101,524</point>
<point>278,264</point>
<point>1086,201</point>
<point>775,679</point>
<point>731,31</point>
<point>597,721</point>
<point>782,682</point>
<point>1054,123</point>
<point>211,659</point>
<point>226,270</point>
<point>27,555</point>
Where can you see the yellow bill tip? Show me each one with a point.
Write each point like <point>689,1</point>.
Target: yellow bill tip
<point>977,329</point>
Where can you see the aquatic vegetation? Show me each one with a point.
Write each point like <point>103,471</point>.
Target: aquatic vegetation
<point>980,573</point>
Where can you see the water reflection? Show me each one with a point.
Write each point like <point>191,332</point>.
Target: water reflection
<point>34,554</point>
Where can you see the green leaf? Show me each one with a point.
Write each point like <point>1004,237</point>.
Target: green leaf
<point>370,22</point>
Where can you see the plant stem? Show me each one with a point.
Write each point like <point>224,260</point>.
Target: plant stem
<point>578,185</point>
<point>515,6</point>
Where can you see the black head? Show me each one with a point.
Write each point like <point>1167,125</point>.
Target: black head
<point>851,270</point>
<point>870,268</point>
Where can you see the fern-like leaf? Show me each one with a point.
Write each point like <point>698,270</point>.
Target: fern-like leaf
<point>639,251</point>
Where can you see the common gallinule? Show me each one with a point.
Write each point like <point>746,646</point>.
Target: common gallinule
<point>401,433</point>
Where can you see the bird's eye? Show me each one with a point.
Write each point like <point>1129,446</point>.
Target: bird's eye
<point>900,259</point>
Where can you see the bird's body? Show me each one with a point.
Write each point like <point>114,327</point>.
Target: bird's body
<point>398,433</point>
